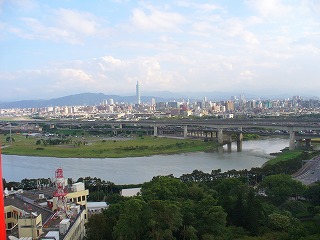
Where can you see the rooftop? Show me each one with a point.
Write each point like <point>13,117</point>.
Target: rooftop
<point>18,201</point>
<point>29,201</point>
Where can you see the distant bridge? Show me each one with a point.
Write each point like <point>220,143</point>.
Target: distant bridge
<point>212,128</point>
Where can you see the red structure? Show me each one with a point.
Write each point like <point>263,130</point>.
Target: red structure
<point>60,191</point>
<point>3,234</point>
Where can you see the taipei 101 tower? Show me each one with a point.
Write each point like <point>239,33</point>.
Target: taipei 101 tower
<point>138,93</point>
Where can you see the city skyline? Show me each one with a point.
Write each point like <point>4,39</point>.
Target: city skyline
<point>52,49</point>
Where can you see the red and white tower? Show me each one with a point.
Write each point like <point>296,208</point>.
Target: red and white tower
<point>60,193</point>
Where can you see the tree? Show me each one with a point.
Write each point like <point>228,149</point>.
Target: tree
<point>97,228</point>
<point>279,222</point>
<point>294,207</point>
<point>210,218</point>
<point>189,233</point>
<point>280,187</point>
<point>163,188</point>
<point>165,219</point>
<point>287,224</point>
<point>187,209</point>
<point>254,213</point>
<point>238,217</point>
<point>132,222</point>
<point>100,226</point>
<point>313,194</point>
<point>228,190</point>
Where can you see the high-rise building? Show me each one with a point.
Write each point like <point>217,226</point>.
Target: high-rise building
<point>229,106</point>
<point>138,93</point>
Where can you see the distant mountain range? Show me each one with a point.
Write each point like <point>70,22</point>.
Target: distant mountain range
<point>91,99</point>
<point>88,99</point>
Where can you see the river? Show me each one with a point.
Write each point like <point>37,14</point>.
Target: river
<point>142,169</point>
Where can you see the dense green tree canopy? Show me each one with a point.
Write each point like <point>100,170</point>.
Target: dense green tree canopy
<point>280,187</point>
<point>220,208</point>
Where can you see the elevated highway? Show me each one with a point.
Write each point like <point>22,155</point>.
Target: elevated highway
<point>213,128</point>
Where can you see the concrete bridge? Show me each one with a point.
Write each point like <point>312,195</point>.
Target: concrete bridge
<point>221,130</point>
<point>296,131</point>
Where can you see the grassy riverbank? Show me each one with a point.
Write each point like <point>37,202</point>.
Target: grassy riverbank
<point>94,147</point>
<point>285,156</point>
<point>292,155</point>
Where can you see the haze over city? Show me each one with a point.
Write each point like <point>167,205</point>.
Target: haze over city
<point>51,49</point>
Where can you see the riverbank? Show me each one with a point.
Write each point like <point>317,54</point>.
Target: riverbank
<point>283,157</point>
<point>97,147</point>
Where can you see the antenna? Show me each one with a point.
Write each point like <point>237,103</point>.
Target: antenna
<point>60,193</point>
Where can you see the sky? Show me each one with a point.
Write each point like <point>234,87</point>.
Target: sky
<point>50,49</point>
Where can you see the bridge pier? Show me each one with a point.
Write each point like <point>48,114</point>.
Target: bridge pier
<point>239,146</point>
<point>155,131</point>
<point>220,136</point>
<point>239,142</point>
<point>229,147</point>
<point>185,131</point>
<point>229,138</point>
<point>239,137</point>
<point>229,142</point>
<point>292,140</point>
<point>308,143</point>
<point>299,143</point>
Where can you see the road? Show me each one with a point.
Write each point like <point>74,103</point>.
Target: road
<point>310,172</point>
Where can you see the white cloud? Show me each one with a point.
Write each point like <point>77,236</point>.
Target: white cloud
<point>236,28</point>
<point>64,25</point>
<point>228,65</point>
<point>36,30</point>
<point>270,8</point>
<point>203,7</point>
<point>21,5</point>
<point>112,61</point>
<point>75,21</point>
<point>207,7</point>
<point>247,74</point>
<point>180,46</point>
<point>156,20</point>
<point>77,76</point>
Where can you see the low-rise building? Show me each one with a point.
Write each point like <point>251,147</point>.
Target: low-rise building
<point>37,214</point>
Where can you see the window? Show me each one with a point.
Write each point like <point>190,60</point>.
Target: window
<point>83,198</point>
<point>79,199</point>
<point>9,215</point>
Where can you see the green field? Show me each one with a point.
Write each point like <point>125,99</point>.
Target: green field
<point>285,156</point>
<point>95,147</point>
